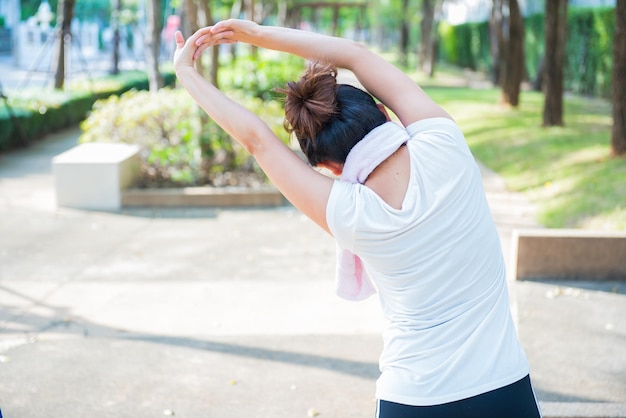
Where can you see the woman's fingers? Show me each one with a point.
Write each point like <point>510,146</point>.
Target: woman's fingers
<point>202,46</point>
<point>180,40</point>
<point>198,34</point>
<point>222,25</point>
<point>199,50</point>
<point>183,55</point>
<point>215,38</point>
<point>202,39</point>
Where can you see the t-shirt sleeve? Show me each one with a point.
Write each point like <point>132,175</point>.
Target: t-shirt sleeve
<point>442,155</point>
<point>442,131</point>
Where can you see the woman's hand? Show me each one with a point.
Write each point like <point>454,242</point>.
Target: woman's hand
<point>184,54</point>
<point>228,31</point>
<point>188,51</point>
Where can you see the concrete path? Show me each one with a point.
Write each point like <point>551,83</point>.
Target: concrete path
<point>231,313</point>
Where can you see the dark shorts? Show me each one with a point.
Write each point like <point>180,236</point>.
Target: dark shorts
<point>516,400</point>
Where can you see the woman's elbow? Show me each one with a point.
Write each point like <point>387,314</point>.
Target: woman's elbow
<point>255,142</point>
<point>355,54</point>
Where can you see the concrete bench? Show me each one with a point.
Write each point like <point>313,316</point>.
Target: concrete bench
<point>92,176</point>
<point>569,254</point>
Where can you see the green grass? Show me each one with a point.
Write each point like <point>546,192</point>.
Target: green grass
<point>567,172</point>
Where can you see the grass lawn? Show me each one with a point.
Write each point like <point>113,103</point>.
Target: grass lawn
<point>567,172</point>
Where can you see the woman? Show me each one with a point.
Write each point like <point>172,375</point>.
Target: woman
<point>408,213</point>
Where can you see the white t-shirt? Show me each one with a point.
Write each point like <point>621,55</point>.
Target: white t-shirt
<point>438,267</point>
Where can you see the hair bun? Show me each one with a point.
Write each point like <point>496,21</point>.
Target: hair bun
<point>311,101</point>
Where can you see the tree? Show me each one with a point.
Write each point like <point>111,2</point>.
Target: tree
<point>153,43</point>
<point>215,50</point>
<point>506,21</point>
<point>404,32</point>
<point>618,134</point>
<point>428,36</point>
<point>117,11</point>
<point>495,39</point>
<point>552,85</point>
<point>250,9</point>
<point>63,33</point>
<point>197,14</point>
<point>283,12</point>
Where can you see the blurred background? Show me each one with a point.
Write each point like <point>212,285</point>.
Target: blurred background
<point>550,72</point>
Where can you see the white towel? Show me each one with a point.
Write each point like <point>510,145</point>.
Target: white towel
<point>351,280</point>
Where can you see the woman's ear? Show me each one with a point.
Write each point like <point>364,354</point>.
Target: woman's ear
<point>383,109</point>
<point>334,167</point>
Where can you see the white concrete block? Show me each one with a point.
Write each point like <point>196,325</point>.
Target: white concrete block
<point>92,176</point>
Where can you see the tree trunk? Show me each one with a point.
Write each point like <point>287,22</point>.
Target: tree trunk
<point>555,29</point>
<point>496,38</point>
<point>335,26</point>
<point>153,43</point>
<point>512,64</point>
<point>215,50</point>
<point>618,134</point>
<point>250,15</point>
<point>359,24</point>
<point>434,38</point>
<point>506,28</point>
<point>538,81</point>
<point>426,30</point>
<point>65,13</point>
<point>115,64</point>
<point>235,13</point>
<point>282,13</point>
<point>404,33</point>
<point>191,7</point>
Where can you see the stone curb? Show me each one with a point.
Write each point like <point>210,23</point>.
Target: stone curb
<point>267,196</point>
<point>582,410</point>
<point>568,254</point>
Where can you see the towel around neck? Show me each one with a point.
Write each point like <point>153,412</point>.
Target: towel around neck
<point>351,280</point>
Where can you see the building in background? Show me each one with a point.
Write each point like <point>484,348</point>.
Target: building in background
<point>9,19</point>
<point>464,11</point>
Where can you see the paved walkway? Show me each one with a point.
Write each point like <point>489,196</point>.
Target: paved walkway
<point>230,313</point>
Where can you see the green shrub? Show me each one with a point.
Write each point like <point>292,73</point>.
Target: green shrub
<point>259,76</point>
<point>34,114</point>
<point>448,43</point>
<point>589,51</point>
<point>223,157</point>
<point>179,145</point>
<point>165,124</point>
<point>37,111</point>
<point>473,46</point>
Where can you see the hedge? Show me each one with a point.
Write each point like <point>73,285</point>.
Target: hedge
<point>31,115</point>
<point>588,56</point>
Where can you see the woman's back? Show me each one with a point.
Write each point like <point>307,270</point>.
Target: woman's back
<point>437,263</point>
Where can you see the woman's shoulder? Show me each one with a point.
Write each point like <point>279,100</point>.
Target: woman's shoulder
<point>439,136</point>
<point>434,125</point>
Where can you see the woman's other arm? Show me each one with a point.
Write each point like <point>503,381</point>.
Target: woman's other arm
<point>383,80</point>
<point>304,187</point>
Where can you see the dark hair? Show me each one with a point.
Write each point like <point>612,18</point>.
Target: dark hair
<point>328,118</point>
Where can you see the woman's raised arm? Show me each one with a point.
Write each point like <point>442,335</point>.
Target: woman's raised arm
<point>304,187</point>
<point>383,80</point>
